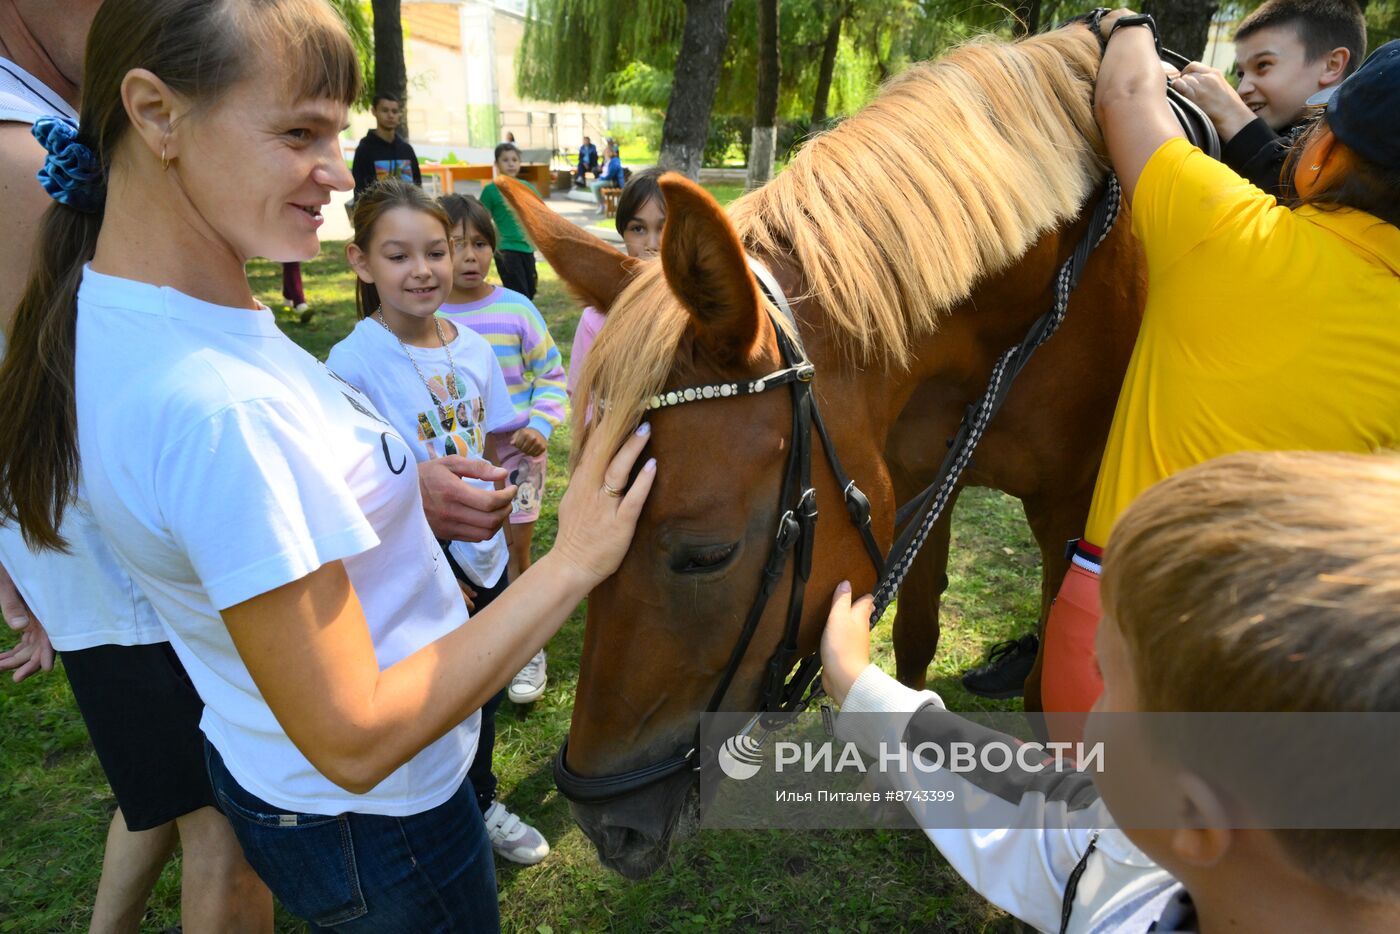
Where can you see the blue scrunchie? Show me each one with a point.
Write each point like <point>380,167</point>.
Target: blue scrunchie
<point>72,174</point>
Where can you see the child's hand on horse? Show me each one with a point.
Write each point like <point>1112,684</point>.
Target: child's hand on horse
<point>845,642</point>
<point>599,511</point>
<point>463,512</point>
<point>529,441</point>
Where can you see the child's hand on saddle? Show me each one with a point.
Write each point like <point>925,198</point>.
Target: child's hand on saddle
<point>529,441</point>
<point>1207,88</point>
<point>845,642</point>
<point>598,514</point>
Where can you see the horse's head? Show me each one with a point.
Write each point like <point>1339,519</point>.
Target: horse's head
<point>662,630</point>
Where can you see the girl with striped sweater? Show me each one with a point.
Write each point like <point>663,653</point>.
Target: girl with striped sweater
<point>534,373</point>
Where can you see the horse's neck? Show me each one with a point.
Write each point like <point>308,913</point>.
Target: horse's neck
<point>959,353</point>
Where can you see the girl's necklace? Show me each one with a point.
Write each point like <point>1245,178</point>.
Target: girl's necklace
<point>445,413</point>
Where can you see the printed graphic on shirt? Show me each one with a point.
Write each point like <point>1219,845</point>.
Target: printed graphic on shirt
<point>402,169</point>
<point>455,424</point>
<point>389,442</point>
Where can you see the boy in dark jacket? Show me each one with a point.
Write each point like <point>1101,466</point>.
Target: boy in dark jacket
<point>383,153</point>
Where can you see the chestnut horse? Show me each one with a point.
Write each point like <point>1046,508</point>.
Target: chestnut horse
<point>919,239</point>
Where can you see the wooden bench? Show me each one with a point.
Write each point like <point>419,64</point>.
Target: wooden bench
<point>610,196</point>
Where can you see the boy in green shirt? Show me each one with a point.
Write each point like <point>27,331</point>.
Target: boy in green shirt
<point>515,254</point>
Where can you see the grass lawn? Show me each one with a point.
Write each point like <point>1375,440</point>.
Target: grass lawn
<point>55,803</point>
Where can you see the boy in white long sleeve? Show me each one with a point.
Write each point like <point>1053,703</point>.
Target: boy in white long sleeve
<point>1254,582</point>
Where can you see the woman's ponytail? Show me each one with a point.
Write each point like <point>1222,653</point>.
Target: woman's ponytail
<point>38,403</point>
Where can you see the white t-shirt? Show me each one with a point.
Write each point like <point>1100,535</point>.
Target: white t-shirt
<point>222,461</point>
<point>449,421</point>
<point>83,598</point>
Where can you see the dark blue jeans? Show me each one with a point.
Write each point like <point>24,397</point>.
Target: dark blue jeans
<point>356,873</point>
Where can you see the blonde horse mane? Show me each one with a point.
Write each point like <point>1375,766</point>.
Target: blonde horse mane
<point>950,175</point>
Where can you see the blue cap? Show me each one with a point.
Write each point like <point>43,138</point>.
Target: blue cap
<point>1363,110</point>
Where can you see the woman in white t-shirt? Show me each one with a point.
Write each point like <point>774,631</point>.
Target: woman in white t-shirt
<point>442,389</point>
<point>264,506</point>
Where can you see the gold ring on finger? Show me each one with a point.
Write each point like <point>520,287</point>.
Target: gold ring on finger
<point>608,489</point>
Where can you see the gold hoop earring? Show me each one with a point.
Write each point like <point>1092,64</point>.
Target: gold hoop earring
<point>164,161</point>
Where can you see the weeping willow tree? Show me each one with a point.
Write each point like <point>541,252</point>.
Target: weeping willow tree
<point>590,50</point>
<point>573,49</point>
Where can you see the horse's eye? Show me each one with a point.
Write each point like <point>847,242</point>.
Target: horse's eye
<point>703,559</point>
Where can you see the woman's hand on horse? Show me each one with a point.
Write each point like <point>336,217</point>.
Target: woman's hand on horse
<point>845,642</point>
<point>599,511</point>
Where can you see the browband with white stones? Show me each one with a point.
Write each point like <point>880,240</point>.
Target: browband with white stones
<point>803,372</point>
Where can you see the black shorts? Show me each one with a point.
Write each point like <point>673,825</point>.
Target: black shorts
<point>517,272</point>
<point>143,714</point>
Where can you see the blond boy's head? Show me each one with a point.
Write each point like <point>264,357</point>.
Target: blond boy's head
<point>1265,582</point>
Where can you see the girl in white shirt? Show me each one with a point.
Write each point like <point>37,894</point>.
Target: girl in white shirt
<point>442,389</point>
<point>264,506</point>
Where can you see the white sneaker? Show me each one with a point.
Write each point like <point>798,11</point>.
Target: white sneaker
<point>528,685</point>
<point>512,838</point>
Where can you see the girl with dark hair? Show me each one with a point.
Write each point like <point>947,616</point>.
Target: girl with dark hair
<point>265,507</point>
<point>534,372</point>
<point>641,215</point>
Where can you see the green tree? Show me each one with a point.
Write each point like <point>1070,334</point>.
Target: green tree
<point>390,72</point>
<point>698,64</point>
<point>765,119</point>
<point>356,16</point>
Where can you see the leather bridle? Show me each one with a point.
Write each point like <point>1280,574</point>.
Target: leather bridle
<point>795,539</point>
<point>781,699</point>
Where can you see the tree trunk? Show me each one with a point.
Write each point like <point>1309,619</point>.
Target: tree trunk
<point>1027,18</point>
<point>828,66</point>
<point>390,72</point>
<point>1183,24</point>
<point>765,111</point>
<point>687,122</point>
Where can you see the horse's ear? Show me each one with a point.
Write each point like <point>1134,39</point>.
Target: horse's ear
<point>705,266</point>
<point>592,270</point>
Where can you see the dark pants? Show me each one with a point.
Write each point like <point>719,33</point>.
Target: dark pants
<point>517,271</point>
<point>361,873</point>
<point>292,289</point>
<point>482,777</point>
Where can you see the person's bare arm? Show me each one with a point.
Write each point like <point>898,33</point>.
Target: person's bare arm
<point>1130,101</point>
<point>25,202</point>
<point>308,648</point>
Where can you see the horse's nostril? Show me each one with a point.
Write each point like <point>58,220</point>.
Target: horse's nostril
<point>619,842</point>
